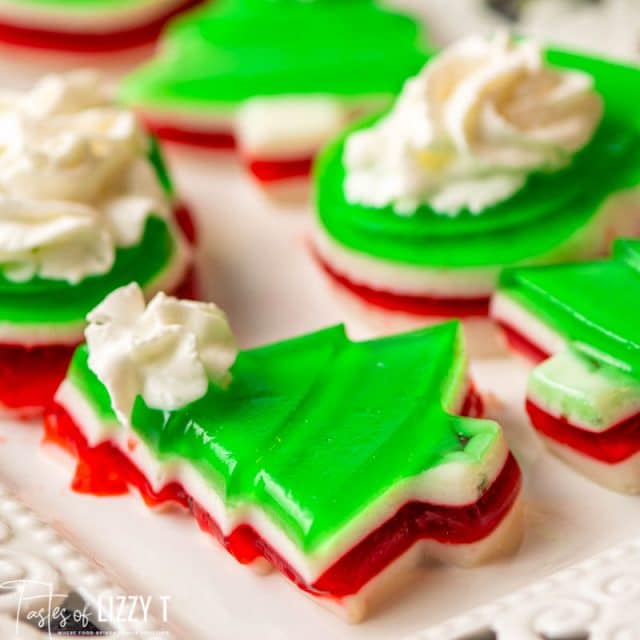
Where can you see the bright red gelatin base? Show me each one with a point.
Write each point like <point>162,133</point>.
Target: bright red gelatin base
<point>136,35</point>
<point>184,219</point>
<point>270,171</point>
<point>413,305</point>
<point>200,138</point>
<point>616,444</point>
<point>29,377</point>
<point>105,470</point>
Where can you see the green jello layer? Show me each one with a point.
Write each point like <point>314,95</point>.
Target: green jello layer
<point>157,160</point>
<point>232,50</point>
<point>541,221</point>
<point>313,430</point>
<point>592,305</point>
<point>51,302</point>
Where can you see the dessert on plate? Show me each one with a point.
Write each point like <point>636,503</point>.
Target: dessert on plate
<point>86,26</point>
<point>578,323</point>
<point>274,79</point>
<point>498,153</point>
<point>343,465</point>
<point>86,206</point>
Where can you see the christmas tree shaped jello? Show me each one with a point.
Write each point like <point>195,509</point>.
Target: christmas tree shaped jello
<point>340,464</point>
<point>498,153</point>
<point>581,323</point>
<point>86,26</point>
<point>277,78</point>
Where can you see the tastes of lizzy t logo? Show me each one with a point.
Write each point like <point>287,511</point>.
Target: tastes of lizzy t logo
<point>38,604</point>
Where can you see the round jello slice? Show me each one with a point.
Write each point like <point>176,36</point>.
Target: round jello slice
<point>275,79</point>
<point>344,465</point>
<point>86,26</point>
<point>86,206</point>
<point>577,323</point>
<point>420,209</point>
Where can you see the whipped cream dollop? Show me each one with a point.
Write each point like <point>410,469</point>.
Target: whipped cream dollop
<point>75,180</point>
<point>167,351</point>
<point>468,130</point>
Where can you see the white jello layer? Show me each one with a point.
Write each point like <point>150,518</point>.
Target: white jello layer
<point>394,277</point>
<point>71,333</point>
<point>106,18</point>
<point>293,127</point>
<point>451,483</point>
<point>619,216</point>
<point>508,311</point>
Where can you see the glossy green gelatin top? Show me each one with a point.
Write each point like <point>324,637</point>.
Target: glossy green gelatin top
<point>315,429</point>
<point>232,50</point>
<point>537,223</point>
<point>593,304</point>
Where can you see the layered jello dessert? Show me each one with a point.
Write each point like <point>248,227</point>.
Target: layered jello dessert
<point>498,153</point>
<point>86,207</point>
<point>275,80</point>
<point>86,26</point>
<point>342,465</point>
<point>578,324</point>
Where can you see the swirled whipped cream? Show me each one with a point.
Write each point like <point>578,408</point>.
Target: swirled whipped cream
<point>75,181</point>
<point>468,130</point>
<point>167,351</point>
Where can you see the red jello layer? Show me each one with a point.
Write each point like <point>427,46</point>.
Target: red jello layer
<point>184,219</point>
<point>413,522</point>
<point>616,444</point>
<point>200,138</point>
<point>413,305</point>
<point>473,405</point>
<point>105,470</point>
<point>91,41</point>
<point>270,171</point>
<point>522,345</point>
<point>188,289</point>
<point>29,377</point>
